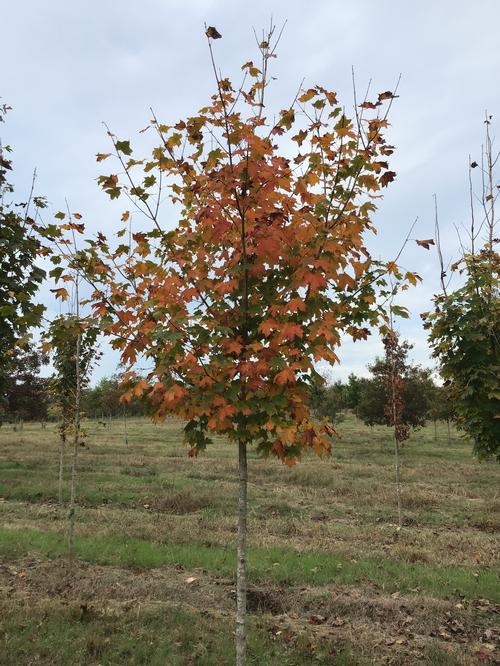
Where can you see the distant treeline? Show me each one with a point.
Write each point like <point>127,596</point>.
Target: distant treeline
<point>423,400</point>
<point>28,396</point>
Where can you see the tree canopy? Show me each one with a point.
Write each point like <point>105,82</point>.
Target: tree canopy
<point>26,394</point>
<point>265,270</point>
<point>464,326</point>
<point>416,388</point>
<point>465,338</point>
<point>20,276</point>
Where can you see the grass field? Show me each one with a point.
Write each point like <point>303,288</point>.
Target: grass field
<point>332,580</point>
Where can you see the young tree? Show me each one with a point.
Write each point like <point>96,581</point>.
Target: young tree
<point>265,269</point>
<point>399,396</point>
<point>20,277</point>
<point>417,390</point>
<point>393,381</point>
<point>464,328</point>
<point>465,337</point>
<point>72,341</point>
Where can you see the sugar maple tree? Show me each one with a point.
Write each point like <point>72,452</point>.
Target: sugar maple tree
<point>264,271</point>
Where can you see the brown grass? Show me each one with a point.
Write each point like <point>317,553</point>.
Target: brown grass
<point>151,491</point>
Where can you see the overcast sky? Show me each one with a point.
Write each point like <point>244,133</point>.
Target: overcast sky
<point>69,66</point>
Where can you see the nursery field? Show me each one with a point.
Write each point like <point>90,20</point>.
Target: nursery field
<point>332,581</point>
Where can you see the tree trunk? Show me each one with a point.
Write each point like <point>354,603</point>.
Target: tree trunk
<point>396,440</point>
<point>62,442</point>
<point>398,481</point>
<point>435,430</point>
<point>241,572</point>
<point>76,437</point>
<point>449,431</point>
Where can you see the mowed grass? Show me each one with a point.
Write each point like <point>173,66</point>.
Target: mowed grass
<point>332,580</point>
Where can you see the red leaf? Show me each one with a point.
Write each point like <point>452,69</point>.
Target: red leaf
<point>387,177</point>
<point>425,243</point>
<point>213,33</point>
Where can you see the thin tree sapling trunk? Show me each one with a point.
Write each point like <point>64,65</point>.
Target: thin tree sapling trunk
<point>76,426</point>
<point>76,436</point>
<point>62,443</point>
<point>125,425</point>
<point>398,481</point>
<point>395,359</point>
<point>396,444</point>
<point>241,568</point>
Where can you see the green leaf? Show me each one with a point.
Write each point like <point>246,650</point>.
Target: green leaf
<point>123,147</point>
<point>56,272</point>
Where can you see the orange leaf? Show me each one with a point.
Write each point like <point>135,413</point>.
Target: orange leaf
<point>290,331</point>
<point>233,346</point>
<point>61,293</point>
<point>309,94</point>
<point>267,326</point>
<point>140,388</point>
<point>392,267</point>
<point>285,376</point>
<point>296,304</point>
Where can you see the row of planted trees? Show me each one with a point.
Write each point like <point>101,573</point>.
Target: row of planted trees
<point>31,397</point>
<point>265,271</point>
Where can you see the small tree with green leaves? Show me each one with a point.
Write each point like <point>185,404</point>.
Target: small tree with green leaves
<point>73,342</point>
<point>416,388</point>
<point>465,338</point>
<point>20,277</point>
<point>464,328</point>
